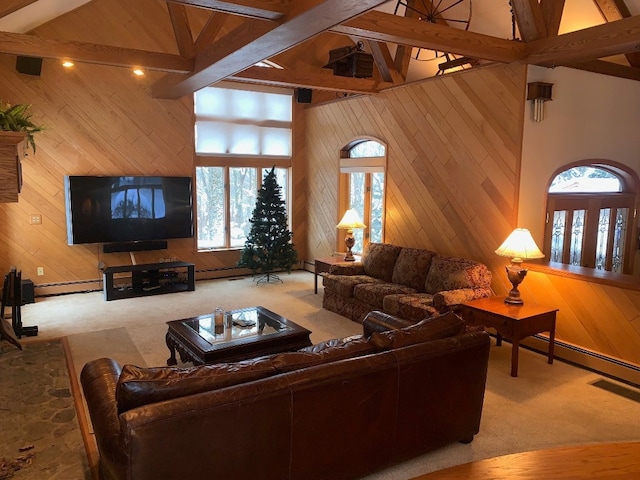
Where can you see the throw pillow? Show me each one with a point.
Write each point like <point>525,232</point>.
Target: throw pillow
<point>379,259</point>
<point>411,268</point>
<point>442,326</point>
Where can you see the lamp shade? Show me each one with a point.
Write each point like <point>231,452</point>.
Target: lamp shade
<point>519,246</point>
<point>351,220</point>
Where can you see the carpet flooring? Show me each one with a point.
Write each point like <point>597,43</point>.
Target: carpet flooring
<point>546,406</point>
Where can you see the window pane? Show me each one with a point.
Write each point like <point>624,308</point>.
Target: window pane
<point>277,107</point>
<point>356,201</point>
<point>585,179</point>
<point>366,149</point>
<point>603,237</point>
<point>212,137</point>
<point>210,207</point>
<point>619,239</point>
<point>377,208</point>
<point>244,140</point>
<point>557,236</point>
<point>276,141</point>
<point>577,232</point>
<point>243,192</point>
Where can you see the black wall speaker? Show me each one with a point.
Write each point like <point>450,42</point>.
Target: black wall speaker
<point>29,65</point>
<point>304,95</point>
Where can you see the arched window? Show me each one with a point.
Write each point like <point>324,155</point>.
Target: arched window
<point>362,169</point>
<point>591,217</point>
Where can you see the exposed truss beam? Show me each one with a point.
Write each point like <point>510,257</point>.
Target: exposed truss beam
<point>210,31</point>
<point>10,6</point>
<point>614,38</point>
<point>613,10</point>
<point>609,68</point>
<point>321,80</point>
<point>384,62</point>
<point>552,13</point>
<point>181,29</point>
<point>306,19</point>
<point>529,18</point>
<point>30,45</point>
<point>260,9</point>
<point>386,27</point>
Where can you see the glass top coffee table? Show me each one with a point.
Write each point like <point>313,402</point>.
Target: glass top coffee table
<point>255,331</point>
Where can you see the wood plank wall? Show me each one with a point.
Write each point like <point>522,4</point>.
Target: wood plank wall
<point>454,148</point>
<point>102,121</point>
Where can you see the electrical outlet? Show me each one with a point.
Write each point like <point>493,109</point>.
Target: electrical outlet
<point>36,219</point>
<point>40,271</point>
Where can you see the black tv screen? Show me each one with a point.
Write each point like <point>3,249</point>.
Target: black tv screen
<point>128,208</point>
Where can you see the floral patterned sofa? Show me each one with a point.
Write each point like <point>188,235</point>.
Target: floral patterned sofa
<point>410,283</point>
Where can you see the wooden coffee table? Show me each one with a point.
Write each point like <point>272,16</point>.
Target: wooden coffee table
<point>197,340</point>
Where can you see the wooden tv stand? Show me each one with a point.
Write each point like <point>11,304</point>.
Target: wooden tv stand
<point>149,279</point>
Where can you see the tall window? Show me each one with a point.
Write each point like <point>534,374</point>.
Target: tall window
<point>590,218</point>
<point>362,168</point>
<point>240,135</point>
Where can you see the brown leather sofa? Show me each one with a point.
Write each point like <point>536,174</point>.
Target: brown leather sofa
<point>340,409</point>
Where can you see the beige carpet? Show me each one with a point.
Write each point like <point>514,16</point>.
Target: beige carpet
<point>547,405</point>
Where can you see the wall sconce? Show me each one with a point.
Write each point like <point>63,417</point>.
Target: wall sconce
<point>539,92</point>
<point>350,221</point>
<point>519,246</point>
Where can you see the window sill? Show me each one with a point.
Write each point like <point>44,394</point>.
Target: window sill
<point>629,282</point>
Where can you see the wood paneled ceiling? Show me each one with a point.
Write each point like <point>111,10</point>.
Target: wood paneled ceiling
<point>298,34</point>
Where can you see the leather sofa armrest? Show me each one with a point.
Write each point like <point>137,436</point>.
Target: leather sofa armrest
<point>378,321</point>
<point>99,379</point>
<point>347,268</point>
<point>449,299</point>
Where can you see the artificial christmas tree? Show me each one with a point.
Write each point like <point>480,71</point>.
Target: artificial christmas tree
<point>268,247</point>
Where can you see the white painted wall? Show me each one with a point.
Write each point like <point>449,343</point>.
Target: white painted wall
<point>591,116</point>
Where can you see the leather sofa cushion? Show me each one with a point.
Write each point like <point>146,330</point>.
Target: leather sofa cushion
<point>412,267</point>
<point>330,351</point>
<point>434,328</point>
<point>141,386</point>
<point>379,259</point>
<point>413,306</point>
<point>344,284</point>
<point>451,273</point>
<point>373,293</point>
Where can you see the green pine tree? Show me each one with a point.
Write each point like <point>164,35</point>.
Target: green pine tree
<point>268,247</point>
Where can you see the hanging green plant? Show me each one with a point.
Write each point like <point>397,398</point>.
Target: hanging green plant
<point>16,118</point>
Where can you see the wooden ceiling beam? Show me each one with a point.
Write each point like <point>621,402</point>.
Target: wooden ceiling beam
<point>608,68</point>
<point>258,9</point>
<point>10,6</point>
<point>385,27</point>
<point>384,62</point>
<point>552,13</point>
<point>211,30</point>
<point>306,19</point>
<point>614,38</point>
<point>613,10</point>
<point>181,29</point>
<point>320,80</point>
<point>529,18</point>
<point>31,45</point>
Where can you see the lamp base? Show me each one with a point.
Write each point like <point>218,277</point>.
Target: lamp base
<point>349,257</point>
<point>516,275</point>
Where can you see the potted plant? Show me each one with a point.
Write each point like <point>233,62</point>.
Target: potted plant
<point>16,118</point>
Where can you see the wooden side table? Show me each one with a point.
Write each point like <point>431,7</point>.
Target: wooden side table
<point>512,321</point>
<point>324,264</point>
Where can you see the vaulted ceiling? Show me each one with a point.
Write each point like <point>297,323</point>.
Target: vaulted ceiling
<point>225,39</point>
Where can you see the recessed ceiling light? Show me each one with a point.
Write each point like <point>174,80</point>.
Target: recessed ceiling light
<point>138,71</point>
<point>67,64</point>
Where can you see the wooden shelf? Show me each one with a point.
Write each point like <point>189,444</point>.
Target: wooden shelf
<point>12,151</point>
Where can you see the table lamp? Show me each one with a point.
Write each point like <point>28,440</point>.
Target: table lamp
<point>518,246</point>
<point>350,221</point>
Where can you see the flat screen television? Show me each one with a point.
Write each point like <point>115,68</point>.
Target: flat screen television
<point>128,208</point>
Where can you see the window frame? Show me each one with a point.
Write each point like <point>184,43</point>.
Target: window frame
<point>592,203</point>
<point>368,166</point>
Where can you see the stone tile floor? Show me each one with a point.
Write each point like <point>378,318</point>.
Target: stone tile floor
<point>40,430</point>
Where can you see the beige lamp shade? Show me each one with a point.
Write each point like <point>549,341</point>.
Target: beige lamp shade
<point>519,246</point>
<point>351,220</point>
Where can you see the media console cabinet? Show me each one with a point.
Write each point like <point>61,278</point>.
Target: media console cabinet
<point>148,279</point>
